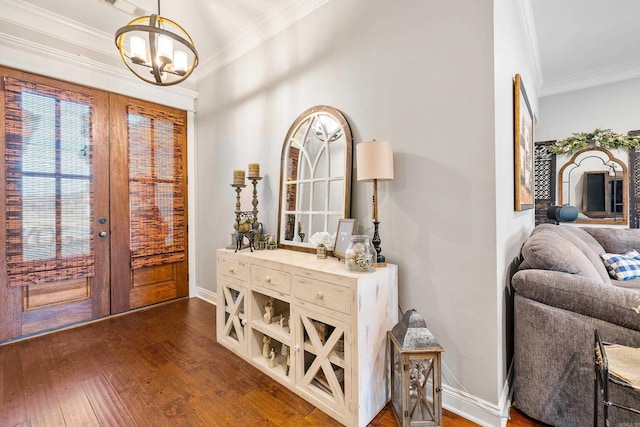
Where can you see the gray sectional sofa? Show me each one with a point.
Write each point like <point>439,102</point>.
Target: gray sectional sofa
<point>563,292</point>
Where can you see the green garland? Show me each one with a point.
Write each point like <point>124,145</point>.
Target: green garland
<point>605,138</point>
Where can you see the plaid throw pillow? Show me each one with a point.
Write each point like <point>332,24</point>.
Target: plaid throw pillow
<point>623,267</point>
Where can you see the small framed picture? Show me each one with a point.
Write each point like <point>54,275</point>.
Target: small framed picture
<point>345,230</point>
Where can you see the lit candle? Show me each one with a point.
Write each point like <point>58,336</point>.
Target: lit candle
<point>254,170</point>
<point>238,177</point>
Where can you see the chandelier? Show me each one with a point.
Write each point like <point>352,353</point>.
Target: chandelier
<point>157,50</point>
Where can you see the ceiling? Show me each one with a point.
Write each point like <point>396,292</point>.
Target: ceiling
<point>222,30</point>
<point>585,43</point>
<point>576,43</point>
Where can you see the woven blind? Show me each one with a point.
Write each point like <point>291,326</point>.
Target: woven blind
<point>49,191</point>
<point>156,187</point>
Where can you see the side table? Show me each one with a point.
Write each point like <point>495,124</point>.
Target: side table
<point>604,376</point>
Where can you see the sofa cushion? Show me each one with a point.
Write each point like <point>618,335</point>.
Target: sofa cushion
<point>623,266</point>
<point>584,240</point>
<point>593,244</point>
<point>616,240</point>
<point>588,297</point>
<point>551,248</point>
<point>628,284</point>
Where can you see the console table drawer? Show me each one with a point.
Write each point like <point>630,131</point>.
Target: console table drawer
<point>323,294</point>
<point>271,279</point>
<point>233,268</point>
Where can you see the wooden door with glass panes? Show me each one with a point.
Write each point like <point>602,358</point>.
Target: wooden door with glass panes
<point>148,203</point>
<point>94,204</point>
<point>54,204</point>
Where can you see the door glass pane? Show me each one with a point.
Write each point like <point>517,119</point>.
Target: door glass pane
<point>74,138</point>
<point>48,158</point>
<point>38,125</point>
<point>156,187</point>
<point>75,217</point>
<point>38,219</point>
<point>164,196</point>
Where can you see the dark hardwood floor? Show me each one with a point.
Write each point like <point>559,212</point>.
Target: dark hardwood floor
<point>155,367</point>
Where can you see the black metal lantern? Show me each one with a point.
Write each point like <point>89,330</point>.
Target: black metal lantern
<point>416,374</point>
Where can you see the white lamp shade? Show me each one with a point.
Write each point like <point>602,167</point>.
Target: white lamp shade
<point>180,61</point>
<point>165,48</point>
<point>138,49</point>
<point>374,160</point>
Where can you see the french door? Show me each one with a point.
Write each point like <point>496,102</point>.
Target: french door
<point>148,204</point>
<point>94,204</point>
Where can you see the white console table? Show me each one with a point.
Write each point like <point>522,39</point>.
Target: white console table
<point>334,330</point>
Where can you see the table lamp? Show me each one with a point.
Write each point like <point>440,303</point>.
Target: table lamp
<point>374,160</point>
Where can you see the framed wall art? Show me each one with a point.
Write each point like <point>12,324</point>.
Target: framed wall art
<point>344,232</point>
<point>523,147</point>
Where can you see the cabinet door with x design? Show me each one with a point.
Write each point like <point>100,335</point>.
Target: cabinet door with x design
<point>323,371</point>
<point>231,316</point>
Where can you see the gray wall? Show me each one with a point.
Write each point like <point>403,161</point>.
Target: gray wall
<point>424,77</point>
<point>432,77</point>
<point>610,106</point>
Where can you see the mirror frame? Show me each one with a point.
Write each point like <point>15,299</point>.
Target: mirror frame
<point>309,114</point>
<point>625,185</point>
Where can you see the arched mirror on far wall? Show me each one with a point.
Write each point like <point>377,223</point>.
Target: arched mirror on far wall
<point>596,183</point>
<point>315,177</point>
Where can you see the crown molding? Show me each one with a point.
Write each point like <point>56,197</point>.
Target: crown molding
<point>33,19</point>
<point>36,58</point>
<point>589,79</point>
<point>275,21</point>
<point>48,24</point>
<point>525,11</point>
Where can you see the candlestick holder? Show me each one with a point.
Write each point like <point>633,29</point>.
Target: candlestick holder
<point>254,202</point>
<point>238,190</point>
<point>240,235</point>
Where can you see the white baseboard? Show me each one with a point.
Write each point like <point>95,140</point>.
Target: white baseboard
<point>457,401</point>
<point>476,409</point>
<point>207,295</point>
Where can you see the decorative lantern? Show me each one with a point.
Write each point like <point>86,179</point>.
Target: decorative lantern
<point>416,375</point>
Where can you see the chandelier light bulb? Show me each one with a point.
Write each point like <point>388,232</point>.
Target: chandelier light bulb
<point>180,62</point>
<point>138,50</point>
<point>165,49</point>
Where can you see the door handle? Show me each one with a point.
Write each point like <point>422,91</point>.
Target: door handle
<point>102,234</point>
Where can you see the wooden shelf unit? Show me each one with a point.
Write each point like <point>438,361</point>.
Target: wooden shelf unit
<point>336,331</point>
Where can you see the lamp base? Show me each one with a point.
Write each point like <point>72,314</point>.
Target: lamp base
<point>379,263</point>
<point>380,259</point>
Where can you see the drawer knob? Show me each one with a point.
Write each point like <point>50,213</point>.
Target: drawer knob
<point>230,269</point>
<point>296,348</point>
<point>267,279</point>
<point>244,322</point>
<point>319,295</point>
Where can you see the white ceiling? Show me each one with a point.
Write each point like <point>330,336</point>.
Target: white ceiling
<point>577,43</point>
<point>222,30</point>
<point>584,43</point>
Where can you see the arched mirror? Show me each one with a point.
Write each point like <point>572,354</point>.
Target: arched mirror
<point>315,177</point>
<point>596,183</point>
